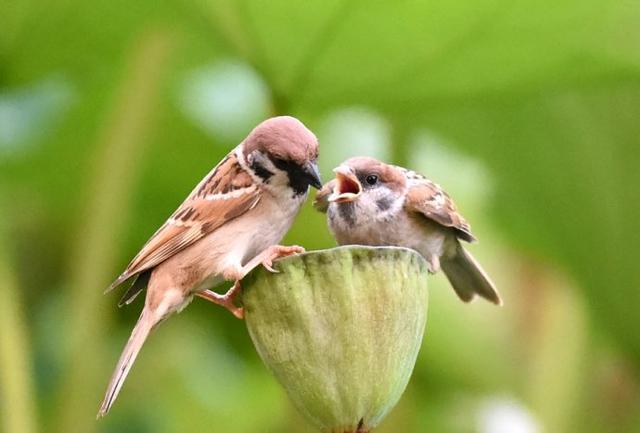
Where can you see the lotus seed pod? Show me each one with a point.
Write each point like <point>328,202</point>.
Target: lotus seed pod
<point>340,329</point>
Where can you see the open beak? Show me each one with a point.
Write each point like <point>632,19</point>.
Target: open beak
<point>347,188</point>
<point>313,174</point>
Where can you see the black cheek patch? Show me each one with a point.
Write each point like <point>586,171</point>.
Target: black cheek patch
<point>298,180</point>
<point>384,203</point>
<point>261,171</point>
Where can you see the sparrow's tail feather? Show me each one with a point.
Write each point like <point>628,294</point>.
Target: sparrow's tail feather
<point>136,340</point>
<point>468,278</point>
<point>140,283</point>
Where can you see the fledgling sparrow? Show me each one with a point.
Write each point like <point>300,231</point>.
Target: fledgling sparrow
<point>229,224</point>
<point>372,203</point>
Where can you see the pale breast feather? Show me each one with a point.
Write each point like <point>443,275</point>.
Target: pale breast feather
<point>227,192</point>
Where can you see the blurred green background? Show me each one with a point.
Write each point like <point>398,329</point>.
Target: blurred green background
<point>528,113</point>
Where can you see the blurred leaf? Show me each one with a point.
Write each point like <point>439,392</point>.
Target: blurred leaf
<point>546,94</point>
<point>17,396</point>
<point>120,149</point>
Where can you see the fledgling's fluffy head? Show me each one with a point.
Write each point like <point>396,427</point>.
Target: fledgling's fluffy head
<point>282,151</point>
<point>364,189</point>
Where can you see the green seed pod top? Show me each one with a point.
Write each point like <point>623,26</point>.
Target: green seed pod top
<point>340,329</point>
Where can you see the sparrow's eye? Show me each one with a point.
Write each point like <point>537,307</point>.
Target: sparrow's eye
<point>372,179</point>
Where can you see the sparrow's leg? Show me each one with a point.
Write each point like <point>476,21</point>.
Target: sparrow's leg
<point>272,253</point>
<point>225,300</point>
<point>265,258</point>
<point>433,264</point>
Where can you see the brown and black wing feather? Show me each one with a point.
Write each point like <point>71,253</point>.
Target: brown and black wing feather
<point>225,193</point>
<point>429,199</point>
<point>463,271</point>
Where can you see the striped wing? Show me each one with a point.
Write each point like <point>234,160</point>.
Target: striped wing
<point>224,194</point>
<point>429,199</point>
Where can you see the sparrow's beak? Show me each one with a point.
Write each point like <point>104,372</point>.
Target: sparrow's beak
<point>313,174</point>
<point>347,188</point>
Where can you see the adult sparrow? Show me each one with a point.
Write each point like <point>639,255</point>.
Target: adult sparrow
<point>372,203</point>
<point>229,224</point>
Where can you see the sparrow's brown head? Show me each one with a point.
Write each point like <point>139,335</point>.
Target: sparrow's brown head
<point>281,150</point>
<point>364,178</point>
